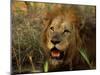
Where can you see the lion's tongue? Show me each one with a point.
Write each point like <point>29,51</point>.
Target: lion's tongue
<point>55,53</point>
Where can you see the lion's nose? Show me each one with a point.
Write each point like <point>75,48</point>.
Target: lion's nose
<point>54,41</point>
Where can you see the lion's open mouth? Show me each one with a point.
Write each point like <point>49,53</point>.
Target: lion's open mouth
<point>56,53</point>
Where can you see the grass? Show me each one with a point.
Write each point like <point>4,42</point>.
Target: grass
<point>85,57</point>
<point>25,43</point>
<point>46,66</point>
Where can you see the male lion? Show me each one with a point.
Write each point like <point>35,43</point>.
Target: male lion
<point>61,39</point>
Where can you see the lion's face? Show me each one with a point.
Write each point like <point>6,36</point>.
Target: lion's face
<point>61,37</point>
<point>59,34</point>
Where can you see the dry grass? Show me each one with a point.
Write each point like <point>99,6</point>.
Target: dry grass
<point>25,42</point>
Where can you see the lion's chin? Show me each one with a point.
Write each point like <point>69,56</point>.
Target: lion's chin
<point>55,62</point>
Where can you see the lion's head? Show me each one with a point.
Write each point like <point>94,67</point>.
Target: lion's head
<point>61,38</point>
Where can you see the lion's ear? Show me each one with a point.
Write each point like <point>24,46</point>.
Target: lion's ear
<point>81,24</point>
<point>88,23</point>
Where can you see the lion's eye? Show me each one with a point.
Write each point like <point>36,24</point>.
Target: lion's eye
<point>66,31</point>
<point>52,28</point>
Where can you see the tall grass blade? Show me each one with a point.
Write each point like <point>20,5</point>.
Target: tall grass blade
<point>84,55</point>
<point>46,67</point>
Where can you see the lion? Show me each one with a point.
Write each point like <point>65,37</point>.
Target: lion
<point>61,39</point>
